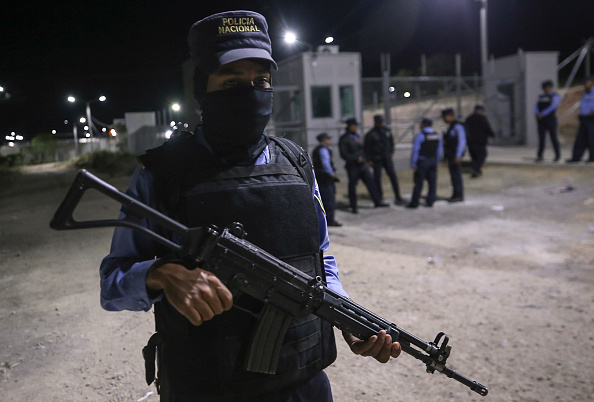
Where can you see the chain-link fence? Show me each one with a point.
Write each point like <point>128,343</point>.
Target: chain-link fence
<point>412,98</point>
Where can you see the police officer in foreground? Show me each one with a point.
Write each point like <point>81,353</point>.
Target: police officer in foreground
<point>454,143</point>
<point>584,138</point>
<point>351,150</point>
<point>326,176</point>
<point>478,133</point>
<point>426,153</point>
<point>228,170</point>
<point>546,119</point>
<point>379,149</point>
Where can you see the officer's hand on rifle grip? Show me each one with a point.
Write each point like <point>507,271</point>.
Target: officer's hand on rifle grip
<point>379,346</point>
<point>197,294</point>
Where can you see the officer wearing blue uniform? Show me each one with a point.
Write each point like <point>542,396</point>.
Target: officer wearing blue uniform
<point>228,170</point>
<point>585,135</point>
<point>379,149</point>
<point>426,153</point>
<point>352,151</point>
<point>454,143</point>
<point>546,119</point>
<point>326,176</point>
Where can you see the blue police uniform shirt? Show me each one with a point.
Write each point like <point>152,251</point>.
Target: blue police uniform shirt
<point>418,141</point>
<point>123,271</point>
<point>587,103</point>
<point>551,108</point>
<point>325,159</point>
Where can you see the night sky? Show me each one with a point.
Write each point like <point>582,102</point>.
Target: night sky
<point>131,50</point>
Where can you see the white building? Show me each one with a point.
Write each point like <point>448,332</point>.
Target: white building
<point>512,86</point>
<point>316,92</point>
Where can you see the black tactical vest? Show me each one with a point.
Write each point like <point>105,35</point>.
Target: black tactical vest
<point>544,101</point>
<point>429,145</point>
<point>450,143</point>
<point>275,205</point>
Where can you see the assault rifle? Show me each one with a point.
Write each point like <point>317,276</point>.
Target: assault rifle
<point>244,267</point>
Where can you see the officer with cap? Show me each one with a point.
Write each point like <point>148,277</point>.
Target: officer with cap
<point>546,119</point>
<point>326,176</point>
<point>228,170</point>
<point>379,148</point>
<point>585,135</point>
<point>454,143</point>
<point>426,153</point>
<point>351,150</point>
<point>478,133</point>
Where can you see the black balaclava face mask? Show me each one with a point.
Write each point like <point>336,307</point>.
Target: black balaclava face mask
<point>234,119</point>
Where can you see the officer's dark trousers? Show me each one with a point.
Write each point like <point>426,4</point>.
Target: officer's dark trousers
<point>317,389</point>
<point>548,124</point>
<point>426,170</point>
<point>387,164</point>
<point>584,139</point>
<point>328,194</point>
<point>478,155</point>
<point>356,172</point>
<point>456,177</point>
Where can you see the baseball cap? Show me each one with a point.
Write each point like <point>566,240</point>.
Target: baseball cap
<point>350,121</point>
<point>447,111</point>
<point>323,136</point>
<point>427,122</point>
<point>227,37</point>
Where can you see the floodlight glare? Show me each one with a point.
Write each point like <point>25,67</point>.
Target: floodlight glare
<point>83,120</point>
<point>102,98</point>
<point>329,40</point>
<point>176,107</point>
<point>71,99</point>
<point>290,37</point>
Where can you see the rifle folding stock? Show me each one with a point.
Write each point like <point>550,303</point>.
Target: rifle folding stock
<point>285,291</point>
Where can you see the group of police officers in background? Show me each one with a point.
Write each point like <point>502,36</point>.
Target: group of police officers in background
<point>375,151</point>
<point>545,112</point>
<point>367,158</point>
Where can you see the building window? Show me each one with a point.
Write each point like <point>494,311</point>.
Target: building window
<point>347,101</point>
<point>321,101</point>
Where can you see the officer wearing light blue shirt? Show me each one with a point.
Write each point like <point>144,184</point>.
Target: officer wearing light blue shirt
<point>228,170</point>
<point>585,135</point>
<point>326,176</point>
<point>426,153</point>
<point>545,112</point>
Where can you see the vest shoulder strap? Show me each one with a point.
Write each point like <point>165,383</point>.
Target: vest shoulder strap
<point>298,158</point>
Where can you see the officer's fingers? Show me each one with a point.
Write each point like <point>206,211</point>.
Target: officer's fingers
<point>385,352</point>
<point>217,295</point>
<point>203,309</point>
<point>359,347</point>
<point>373,345</point>
<point>395,349</point>
<point>225,296</point>
<point>379,346</point>
<point>187,310</point>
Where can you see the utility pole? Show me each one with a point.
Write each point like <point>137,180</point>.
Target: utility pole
<point>385,63</point>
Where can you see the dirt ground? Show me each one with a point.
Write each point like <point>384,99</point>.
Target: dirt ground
<point>508,274</point>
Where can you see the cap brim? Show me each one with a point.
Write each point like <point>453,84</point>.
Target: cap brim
<point>247,53</point>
